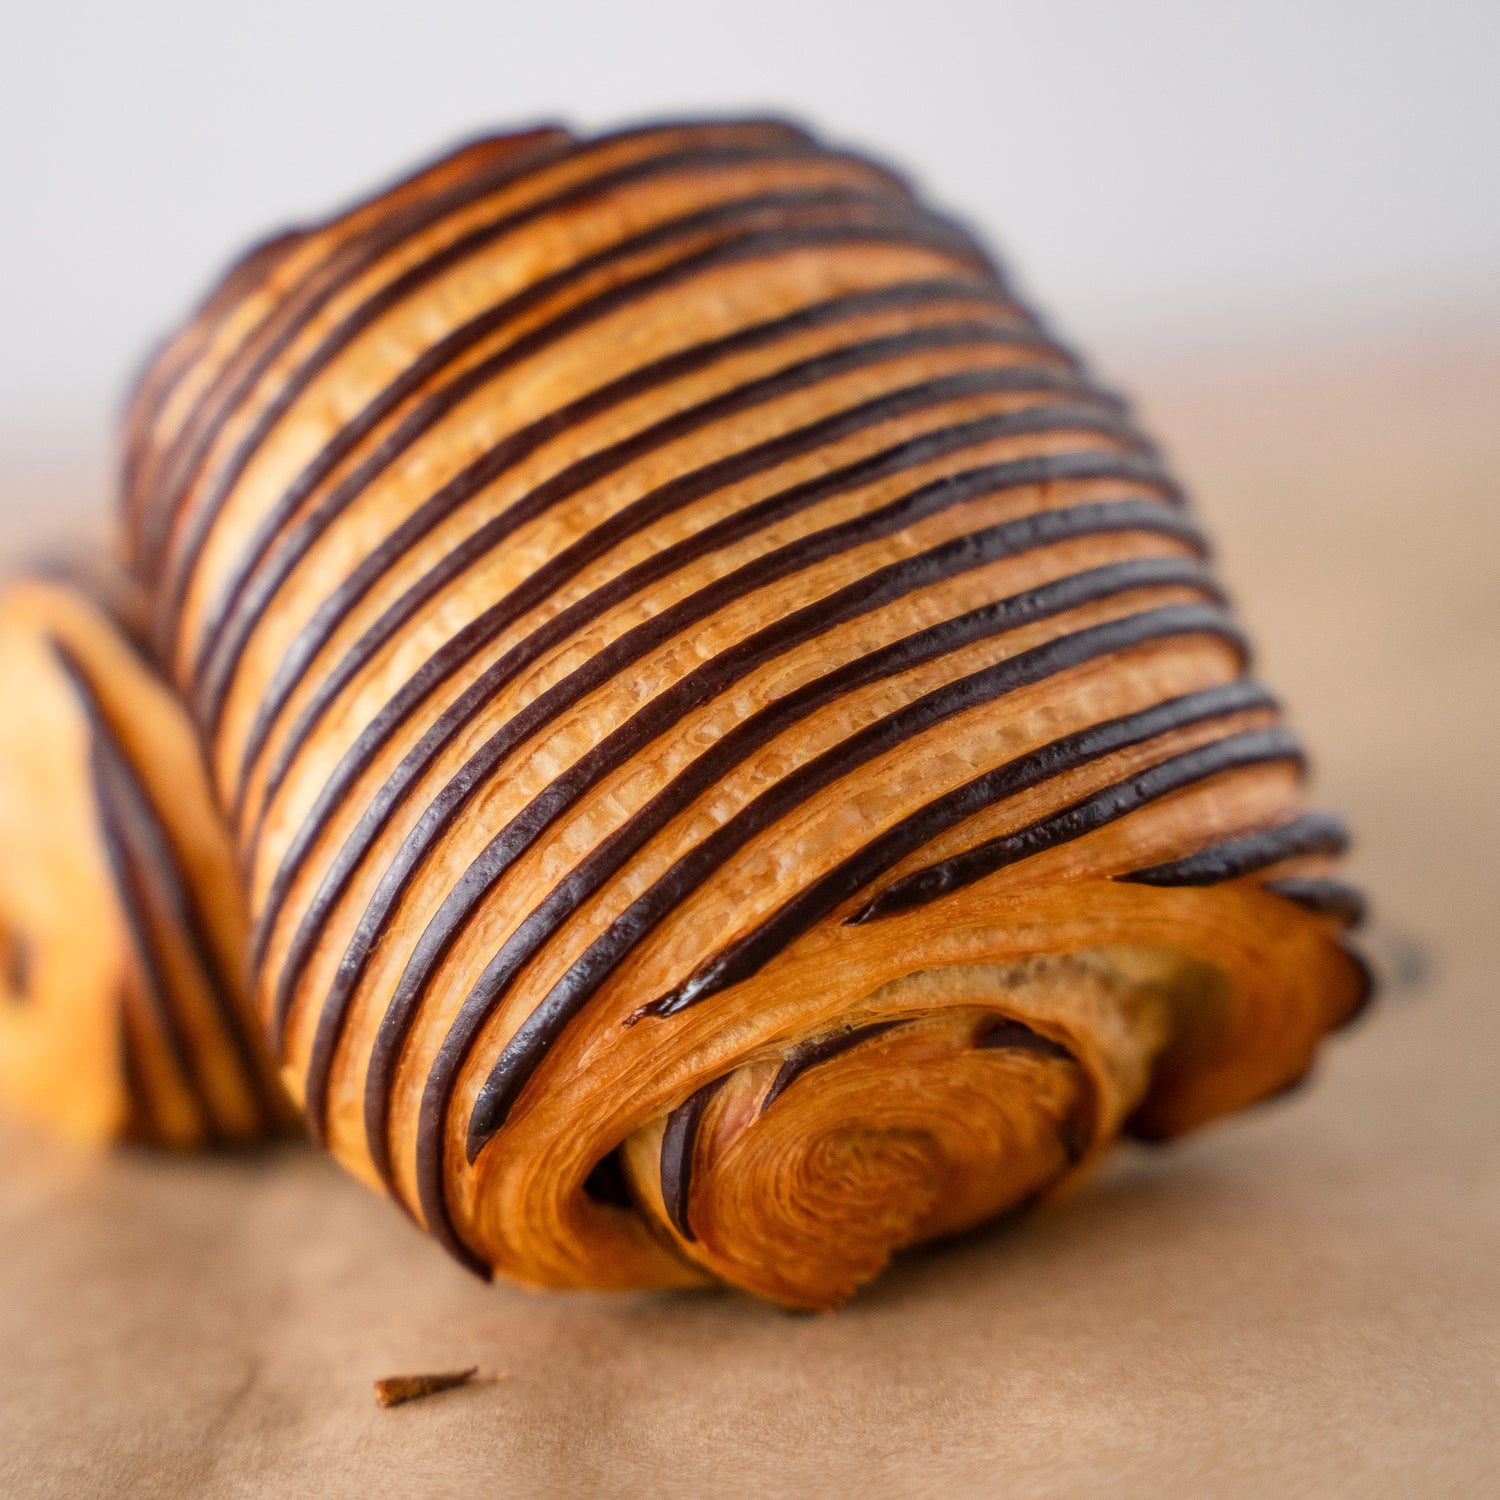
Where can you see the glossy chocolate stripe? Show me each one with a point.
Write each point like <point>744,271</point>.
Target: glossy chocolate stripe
<point>873,592</point>
<point>1312,833</point>
<point>485,470</point>
<point>678,1141</point>
<point>18,965</point>
<point>156,852</point>
<point>142,1120</point>
<point>535,1036</point>
<point>723,225</point>
<point>953,490</point>
<point>820,1049</point>
<point>356,255</point>
<point>609,856</point>
<point>747,954</point>
<point>438,816</point>
<point>1010,1035</point>
<point>1329,898</point>
<point>1250,748</point>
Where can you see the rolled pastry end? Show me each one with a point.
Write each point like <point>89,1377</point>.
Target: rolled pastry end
<point>949,1097</point>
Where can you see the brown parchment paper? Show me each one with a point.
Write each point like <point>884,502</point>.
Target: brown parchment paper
<point>1301,1302</point>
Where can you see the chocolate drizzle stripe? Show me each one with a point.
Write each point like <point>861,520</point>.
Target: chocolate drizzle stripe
<point>487,469</point>
<point>751,952</point>
<point>730,750</point>
<point>678,1141</point>
<point>925,501</point>
<point>143,1122</point>
<point>1015,1036</point>
<point>1329,898</point>
<point>136,842</point>
<point>537,1034</point>
<point>1251,748</point>
<point>1312,833</point>
<point>733,231</point>
<point>18,964</point>
<point>182,464</point>
<point>810,1054</point>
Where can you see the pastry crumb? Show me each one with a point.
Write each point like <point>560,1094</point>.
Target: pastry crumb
<point>392,1390</point>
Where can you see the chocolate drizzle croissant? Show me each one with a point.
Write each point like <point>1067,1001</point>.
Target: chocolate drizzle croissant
<point>736,757</point>
<point>124,1014</point>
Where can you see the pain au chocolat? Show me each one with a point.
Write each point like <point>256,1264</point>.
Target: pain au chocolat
<point>736,760</point>
<point>122,927</point>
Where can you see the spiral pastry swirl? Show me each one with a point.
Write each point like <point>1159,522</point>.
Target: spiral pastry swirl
<point>736,758</point>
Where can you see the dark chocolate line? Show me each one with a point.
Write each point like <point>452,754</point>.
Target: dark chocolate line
<point>181,466</point>
<point>142,1121</point>
<point>763,570</point>
<point>485,470</point>
<point>1073,1135</point>
<point>119,780</point>
<point>734,228</point>
<point>677,1142</point>
<point>1015,1036</point>
<point>1327,897</point>
<point>756,730</point>
<point>420,201</point>
<point>1312,833</point>
<point>18,964</point>
<point>748,954</point>
<point>1251,748</point>
<point>729,750</point>
<point>536,1035</point>
<point>810,1054</point>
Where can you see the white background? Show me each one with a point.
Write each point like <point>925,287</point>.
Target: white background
<point>1165,174</point>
